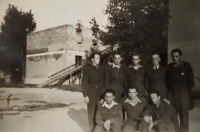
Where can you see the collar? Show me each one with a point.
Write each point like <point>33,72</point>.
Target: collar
<point>154,67</point>
<point>131,103</point>
<point>114,65</point>
<point>109,106</point>
<point>96,67</point>
<point>159,105</point>
<point>131,66</point>
<point>180,64</point>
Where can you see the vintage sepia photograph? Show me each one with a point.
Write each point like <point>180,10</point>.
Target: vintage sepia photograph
<point>99,65</point>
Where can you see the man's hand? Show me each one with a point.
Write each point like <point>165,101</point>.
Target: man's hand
<point>166,101</point>
<point>107,124</point>
<point>150,123</point>
<point>150,126</point>
<point>146,119</point>
<point>86,100</point>
<point>146,93</point>
<point>101,101</point>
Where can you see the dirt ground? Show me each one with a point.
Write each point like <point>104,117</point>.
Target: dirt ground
<point>51,110</point>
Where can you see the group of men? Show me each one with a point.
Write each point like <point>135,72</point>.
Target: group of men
<point>119,97</point>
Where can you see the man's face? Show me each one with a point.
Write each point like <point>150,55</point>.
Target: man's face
<point>155,59</point>
<point>117,59</point>
<point>176,57</point>
<point>96,59</point>
<point>155,98</point>
<point>136,60</point>
<point>132,93</point>
<point>109,98</point>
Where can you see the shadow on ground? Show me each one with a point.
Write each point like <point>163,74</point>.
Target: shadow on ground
<point>195,94</point>
<point>80,117</point>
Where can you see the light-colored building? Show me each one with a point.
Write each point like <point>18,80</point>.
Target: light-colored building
<point>51,50</point>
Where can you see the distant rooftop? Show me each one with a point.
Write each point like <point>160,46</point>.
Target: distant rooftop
<point>67,25</point>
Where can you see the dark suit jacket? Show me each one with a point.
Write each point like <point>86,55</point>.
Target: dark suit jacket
<point>93,84</point>
<point>116,79</point>
<point>136,77</point>
<point>180,79</point>
<point>134,112</point>
<point>115,76</point>
<point>162,115</point>
<point>156,79</point>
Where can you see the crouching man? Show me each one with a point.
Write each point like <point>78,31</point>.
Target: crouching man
<point>160,115</point>
<point>134,108</point>
<point>109,115</point>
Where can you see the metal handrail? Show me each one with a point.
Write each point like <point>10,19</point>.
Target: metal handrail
<point>66,68</point>
<point>72,65</point>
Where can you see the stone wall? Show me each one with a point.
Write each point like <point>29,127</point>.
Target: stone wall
<point>58,38</point>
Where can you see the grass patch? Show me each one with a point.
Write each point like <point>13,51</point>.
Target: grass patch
<point>1,91</point>
<point>10,99</point>
<point>41,106</point>
<point>14,98</point>
<point>16,113</point>
<point>73,88</point>
<point>37,102</point>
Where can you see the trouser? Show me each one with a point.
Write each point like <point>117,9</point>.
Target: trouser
<point>182,108</point>
<point>143,127</point>
<point>91,108</point>
<point>113,128</point>
<point>175,121</point>
<point>164,127</point>
<point>181,104</point>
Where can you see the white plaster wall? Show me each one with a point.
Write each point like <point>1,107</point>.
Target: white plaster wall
<point>38,71</point>
<point>70,56</point>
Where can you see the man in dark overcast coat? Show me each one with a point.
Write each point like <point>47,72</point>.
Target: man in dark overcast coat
<point>180,81</point>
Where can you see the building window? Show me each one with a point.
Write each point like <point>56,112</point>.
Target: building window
<point>78,60</point>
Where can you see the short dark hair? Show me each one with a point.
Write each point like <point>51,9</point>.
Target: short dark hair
<point>176,51</point>
<point>116,53</point>
<point>155,53</point>
<point>154,91</point>
<point>109,91</point>
<point>131,87</point>
<point>93,54</point>
<point>136,53</point>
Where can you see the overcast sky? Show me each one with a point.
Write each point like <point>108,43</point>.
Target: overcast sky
<point>52,13</point>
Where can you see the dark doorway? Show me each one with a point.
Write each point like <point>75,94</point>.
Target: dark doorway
<point>78,60</point>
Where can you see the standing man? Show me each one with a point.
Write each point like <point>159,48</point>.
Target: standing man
<point>115,77</point>
<point>180,81</point>
<point>155,76</point>
<point>160,115</point>
<point>109,115</point>
<point>92,86</point>
<point>135,75</point>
